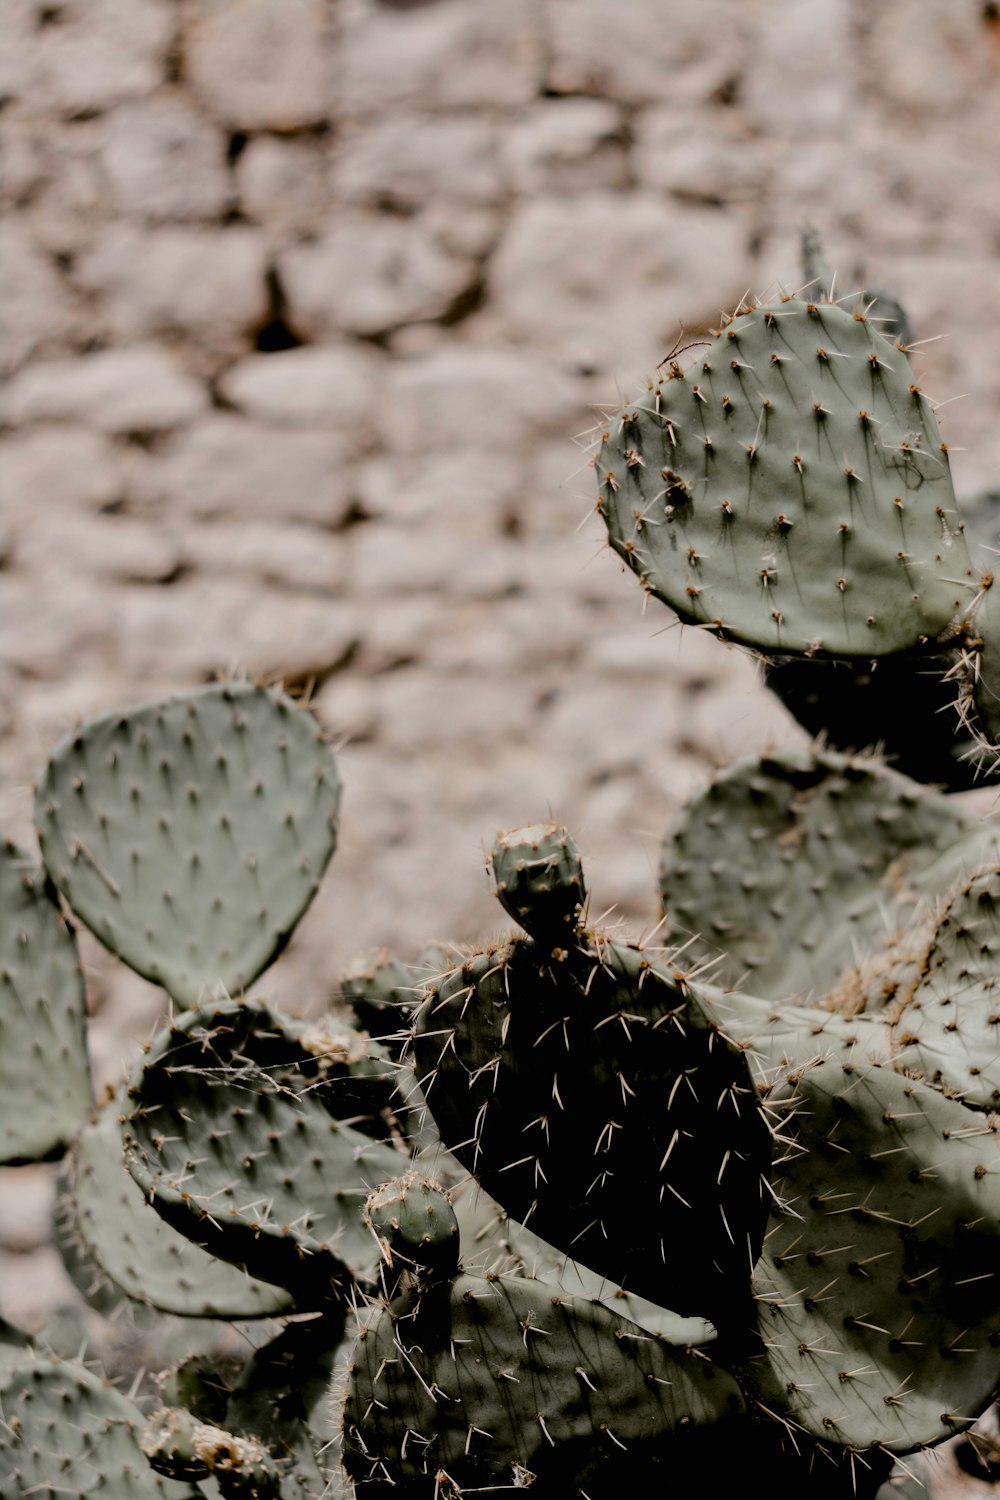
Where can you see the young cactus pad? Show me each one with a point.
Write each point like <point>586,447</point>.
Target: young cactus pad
<point>539,881</point>
<point>415,1226</point>
<point>43,1013</point>
<point>191,834</point>
<point>240,1143</point>
<point>790,489</point>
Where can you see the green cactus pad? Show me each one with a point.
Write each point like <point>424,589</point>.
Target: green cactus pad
<point>539,881</point>
<point>489,1383</point>
<point>178,1445</point>
<point>986,683</point>
<point>283,1399</point>
<point>951,1027</point>
<point>790,866</point>
<point>879,1289</point>
<point>113,1242</point>
<point>243,1143</point>
<point>381,991</point>
<point>415,1226</point>
<point>790,490</point>
<point>595,1098</point>
<point>191,834</point>
<point>43,1011</point>
<point>65,1433</point>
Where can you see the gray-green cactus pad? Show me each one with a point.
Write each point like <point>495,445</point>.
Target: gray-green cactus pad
<point>879,1288</point>
<point>497,1381</point>
<point>539,881</point>
<point>794,865</point>
<point>113,1240</point>
<point>790,489</point>
<point>192,833</point>
<point>951,1027</point>
<point>243,1144</point>
<point>43,1012</point>
<point>594,1096</point>
<point>65,1433</point>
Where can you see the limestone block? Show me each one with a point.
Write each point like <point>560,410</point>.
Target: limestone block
<point>140,389</point>
<point>408,159</point>
<point>648,50</point>
<point>54,470</point>
<point>207,284</point>
<point>451,55</point>
<point>339,388</point>
<point>700,156</point>
<point>258,65</point>
<point>566,146</point>
<point>164,160</point>
<point>37,311</point>
<point>72,630</point>
<point>205,626</point>
<point>369,274</point>
<point>226,466</point>
<point>95,53</point>
<point>284,183</point>
<point>98,548</point>
<point>608,279</point>
<point>297,557</point>
<point>465,396</point>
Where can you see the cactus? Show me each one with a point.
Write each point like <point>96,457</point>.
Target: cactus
<point>241,1143</point>
<point>465,1382</point>
<point>791,490</point>
<point>190,834</point>
<point>790,864</point>
<point>65,1432</point>
<point>42,1018</point>
<point>591,1091</point>
<point>115,1245</point>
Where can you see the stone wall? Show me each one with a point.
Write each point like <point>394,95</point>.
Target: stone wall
<point>309,308</point>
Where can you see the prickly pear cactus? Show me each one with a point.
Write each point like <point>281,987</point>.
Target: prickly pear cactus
<point>43,1013</point>
<point>415,1226</point>
<point>949,1019</point>
<point>64,1432</point>
<point>241,1143</point>
<point>465,1383</point>
<point>879,1293</point>
<point>190,834</point>
<point>592,1093</point>
<point>790,865</point>
<point>539,881</point>
<point>116,1245</point>
<point>790,490</point>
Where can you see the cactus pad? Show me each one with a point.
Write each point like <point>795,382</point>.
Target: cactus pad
<point>594,1096</point>
<point>790,489</point>
<point>43,1012</point>
<point>242,1143</point>
<point>415,1226</point>
<point>497,1383</point>
<point>64,1432</point>
<point>879,1288</point>
<point>191,834</point>
<point>951,1026</point>
<point>112,1240</point>
<point>794,864</point>
<point>539,881</point>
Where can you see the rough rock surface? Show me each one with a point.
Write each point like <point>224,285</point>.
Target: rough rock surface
<point>310,307</point>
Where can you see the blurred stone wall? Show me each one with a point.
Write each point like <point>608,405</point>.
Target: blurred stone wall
<point>308,308</point>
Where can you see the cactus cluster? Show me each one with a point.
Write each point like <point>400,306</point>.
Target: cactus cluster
<point>564,1211</point>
